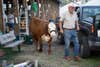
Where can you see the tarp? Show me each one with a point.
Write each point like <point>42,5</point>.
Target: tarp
<point>92,3</point>
<point>65,8</point>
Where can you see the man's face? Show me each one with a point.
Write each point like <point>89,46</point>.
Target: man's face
<point>71,9</point>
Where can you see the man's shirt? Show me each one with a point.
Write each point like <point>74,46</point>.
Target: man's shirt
<point>69,20</point>
<point>11,18</point>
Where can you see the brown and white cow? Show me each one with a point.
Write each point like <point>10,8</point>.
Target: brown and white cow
<point>42,31</point>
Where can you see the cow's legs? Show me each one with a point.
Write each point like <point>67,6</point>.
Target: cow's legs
<point>49,47</point>
<point>41,46</point>
<point>37,45</point>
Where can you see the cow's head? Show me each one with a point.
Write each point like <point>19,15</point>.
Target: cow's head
<point>52,30</point>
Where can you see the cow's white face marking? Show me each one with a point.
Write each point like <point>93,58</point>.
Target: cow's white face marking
<point>45,37</point>
<point>52,30</point>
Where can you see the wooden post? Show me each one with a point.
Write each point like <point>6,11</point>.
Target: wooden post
<point>42,10</point>
<point>38,1</point>
<point>1,17</point>
<point>16,14</point>
<point>49,9</point>
<point>16,11</point>
<point>24,3</point>
<point>46,10</point>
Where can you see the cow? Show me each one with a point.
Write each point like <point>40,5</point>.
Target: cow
<point>42,30</point>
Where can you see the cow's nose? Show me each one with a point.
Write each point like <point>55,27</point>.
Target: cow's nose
<point>53,34</point>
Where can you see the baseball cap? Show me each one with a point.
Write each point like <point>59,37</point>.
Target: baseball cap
<point>71,5</point>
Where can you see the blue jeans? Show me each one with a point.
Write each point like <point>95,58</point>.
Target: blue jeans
<point>10,25</point>
<point>71,35</point>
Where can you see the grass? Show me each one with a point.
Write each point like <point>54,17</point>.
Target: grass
<point>93,61</point>
<point>54,60</point>
<point>9,54</point>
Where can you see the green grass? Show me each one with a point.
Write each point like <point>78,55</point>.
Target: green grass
<point>93,61</point>
<point>9,53</point>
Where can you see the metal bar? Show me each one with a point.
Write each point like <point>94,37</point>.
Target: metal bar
<point>19,48</point>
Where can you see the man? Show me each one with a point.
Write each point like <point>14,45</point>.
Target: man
<point>11,20</point>
<point>69,29</point>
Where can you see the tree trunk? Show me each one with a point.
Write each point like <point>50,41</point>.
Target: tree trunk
<point>38,1</point>
<point>16,14</point>
<point>1,17</point>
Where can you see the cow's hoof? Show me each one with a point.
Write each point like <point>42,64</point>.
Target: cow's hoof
<point>49,52</point>
<point>40,50</point>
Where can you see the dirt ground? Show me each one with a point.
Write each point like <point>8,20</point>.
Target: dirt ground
<point>56,59</point>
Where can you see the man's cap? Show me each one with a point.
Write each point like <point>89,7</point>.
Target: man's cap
<point>71,5</point>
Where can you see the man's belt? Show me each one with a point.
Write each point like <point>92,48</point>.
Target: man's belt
<point>69,28</point>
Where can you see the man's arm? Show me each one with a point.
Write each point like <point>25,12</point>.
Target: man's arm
<point>77,25</point>
<point>76,22</point>
<point>60,26</point>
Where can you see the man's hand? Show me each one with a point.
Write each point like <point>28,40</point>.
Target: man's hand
<point>61,31</point>
<point>78,28</point>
